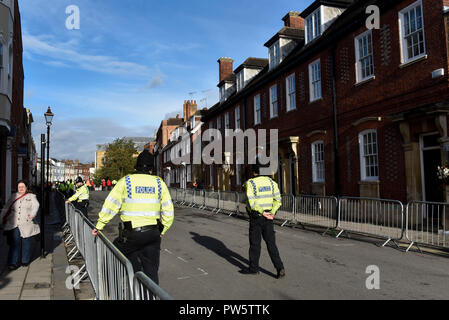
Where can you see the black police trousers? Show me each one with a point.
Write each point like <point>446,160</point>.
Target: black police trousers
<point>82,206</point>
<point>143,249</point>
<point>260,227</point>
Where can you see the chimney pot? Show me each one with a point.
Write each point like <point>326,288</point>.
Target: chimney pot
<point>293,20</point>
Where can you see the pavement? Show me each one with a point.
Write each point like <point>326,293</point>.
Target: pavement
<point>45,277</point>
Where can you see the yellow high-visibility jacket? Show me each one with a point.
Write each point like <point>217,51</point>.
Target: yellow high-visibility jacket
<point>263,195</point>
<point>141,199</point>
<point>81,194</point>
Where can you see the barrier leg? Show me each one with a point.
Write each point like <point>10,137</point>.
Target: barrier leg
<point>80,278</point>
<point>74,255</point>
<point>331,230</point>
<point>410,246</point>
<point>386,242</point>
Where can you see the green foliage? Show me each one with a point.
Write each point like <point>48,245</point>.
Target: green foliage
<point>118,161</point>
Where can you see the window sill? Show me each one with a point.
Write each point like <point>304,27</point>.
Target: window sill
<point>274,117</point>
<point>365,81</point>
<point>316,101</point>
<point>374,181</point>
<point>413,61</point>
<point>291,110</point>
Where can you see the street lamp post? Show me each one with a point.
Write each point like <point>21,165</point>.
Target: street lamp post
<point>48,119</point>
<point>43,144</point>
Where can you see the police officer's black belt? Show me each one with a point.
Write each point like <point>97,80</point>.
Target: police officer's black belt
<point>145,228</point>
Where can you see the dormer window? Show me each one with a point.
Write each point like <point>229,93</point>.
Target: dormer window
<point>313,25</point>
<point>240,80</point>
<point>274,55</point>
<point>222,93</point>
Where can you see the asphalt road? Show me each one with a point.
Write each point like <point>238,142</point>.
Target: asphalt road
<point>202,253</point>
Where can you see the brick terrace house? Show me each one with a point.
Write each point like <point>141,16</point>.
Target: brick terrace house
<point>184,172</point>
<point>17,149</point>
<point>360,112</point>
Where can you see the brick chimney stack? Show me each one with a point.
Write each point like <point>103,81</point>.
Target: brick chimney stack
<point>293,20</point>
<point>190,107</point>
<point>225,67</point>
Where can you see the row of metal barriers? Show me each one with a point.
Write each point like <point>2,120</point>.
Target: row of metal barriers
<point>418,222</point>
<point>110,272</point>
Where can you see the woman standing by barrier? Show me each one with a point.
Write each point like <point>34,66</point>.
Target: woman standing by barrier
<point>17,217</point>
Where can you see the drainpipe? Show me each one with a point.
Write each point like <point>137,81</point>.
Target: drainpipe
<point>336,161</point>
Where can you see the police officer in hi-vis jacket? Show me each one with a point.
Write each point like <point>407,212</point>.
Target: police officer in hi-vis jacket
<point>263,201</point>
<point>146,210</point>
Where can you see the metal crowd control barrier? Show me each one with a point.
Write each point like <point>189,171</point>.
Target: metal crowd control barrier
<point>198,199</point>
<point>172,194</point>
<point>146,289</point>
<point>212,200</point>
<point>115,272</point>
<point>241,202</point>
<point>427,224</point>
<point>374,217</point>
<point>189,195</point>
<point>317,211</point>
<point>109,271</point>
<point>287,210</point>
<point>228,202</point>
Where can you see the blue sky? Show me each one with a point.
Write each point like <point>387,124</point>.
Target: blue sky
<point>132,63</point>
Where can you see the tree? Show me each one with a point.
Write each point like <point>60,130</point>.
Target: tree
<point>119,160</point>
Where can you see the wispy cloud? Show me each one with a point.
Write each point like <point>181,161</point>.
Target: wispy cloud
<point>63,54</point>
<point>77,138</point>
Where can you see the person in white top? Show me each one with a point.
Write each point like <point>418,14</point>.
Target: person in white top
<point>19,226</point>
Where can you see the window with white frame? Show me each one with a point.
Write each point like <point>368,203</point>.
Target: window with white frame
<point>369,163</point>
<point>240,80</point>
<point>257,113</point>
<point>274,55</point>
<point>1,61</point>
<point>189,173</point>
<point>211,175</point>
<point>238,179</point>
<point>273,101</point>
<point>291,92</point>
<point>10,61</point>
<point>218,123</point>
<point>313,25</point>
<point>211,126</point>
<point>318,161</point>
<point>364,56</point>
<point>237,118</point>
<point>315,80</point>
<point>412,32</point>
<point>227,124</point>
<point>222,93</point>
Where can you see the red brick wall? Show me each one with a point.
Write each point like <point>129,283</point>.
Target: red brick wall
<point>393,90</point>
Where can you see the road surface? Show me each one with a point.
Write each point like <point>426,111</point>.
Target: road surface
<point>202,253</point>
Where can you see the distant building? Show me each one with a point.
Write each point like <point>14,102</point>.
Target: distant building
<point>140,143</point>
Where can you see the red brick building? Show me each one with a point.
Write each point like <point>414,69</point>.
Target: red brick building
<point>17,149</point>
<point>360,112</point>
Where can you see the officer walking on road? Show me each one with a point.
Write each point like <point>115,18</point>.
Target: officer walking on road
<point>147,212</point>
<point>81,197</point>
<point>263,201</point>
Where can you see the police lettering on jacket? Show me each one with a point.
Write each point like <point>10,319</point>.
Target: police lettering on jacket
<point>146,190</point>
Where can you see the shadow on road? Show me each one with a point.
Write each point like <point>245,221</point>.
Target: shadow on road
<point>221,250</point>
